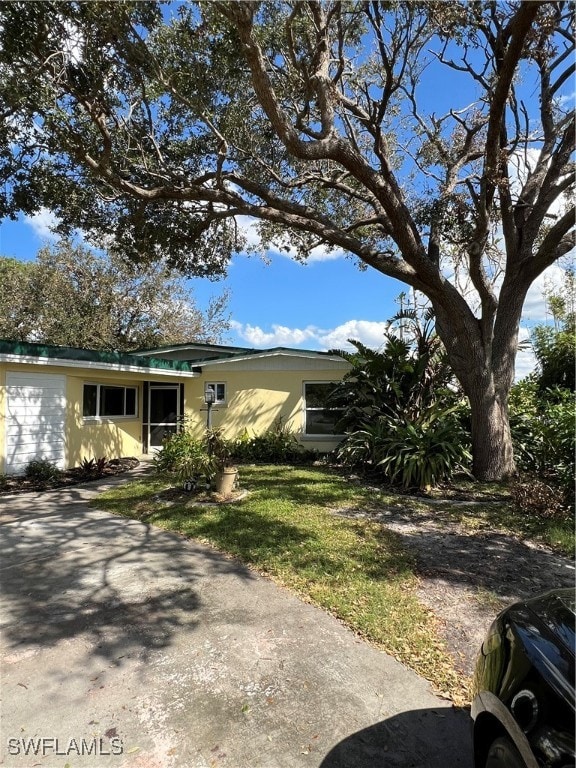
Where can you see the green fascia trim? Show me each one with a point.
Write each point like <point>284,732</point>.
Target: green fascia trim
<point>28,349</point>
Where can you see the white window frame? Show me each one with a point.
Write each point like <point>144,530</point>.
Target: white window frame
<point>215,385</point>
<point>312,435</point>
<point>98,416</point>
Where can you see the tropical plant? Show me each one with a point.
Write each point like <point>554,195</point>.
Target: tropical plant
<point>185,457</point>
<point>219,448</point>
<point>544,436</point>
<point>555,345</point>
<point>406,377</point>
<point>95,466</point>
<point>88,465</point>
<point>410,453</point>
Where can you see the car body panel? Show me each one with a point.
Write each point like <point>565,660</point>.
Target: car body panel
<point>524,681</point>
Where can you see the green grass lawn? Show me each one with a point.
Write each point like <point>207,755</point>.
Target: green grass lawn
<point>287,528</point>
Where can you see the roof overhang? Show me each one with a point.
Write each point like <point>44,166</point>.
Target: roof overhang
<point>97,366</point>
<point>294,353</point>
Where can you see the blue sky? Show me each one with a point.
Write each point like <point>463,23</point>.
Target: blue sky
<point>283,303</point>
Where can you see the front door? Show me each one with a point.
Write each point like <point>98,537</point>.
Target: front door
<point>163,410</point>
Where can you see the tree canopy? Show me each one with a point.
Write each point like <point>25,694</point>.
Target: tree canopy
<point>430,141</point>
<point>73,296</point>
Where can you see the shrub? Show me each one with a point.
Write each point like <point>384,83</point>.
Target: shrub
<point>41,469</point>
<point>412,454</point>
<point>88,466</point>
<point>405,378</point>
<point>277,445</point>
<point>543,433</point>
<point>101,465</point>
<point>185,457</point>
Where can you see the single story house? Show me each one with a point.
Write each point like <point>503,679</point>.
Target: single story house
<point>65,404</point>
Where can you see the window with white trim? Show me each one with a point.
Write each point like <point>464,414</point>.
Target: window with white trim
<point>219,387</point>
<point>107,401</point>
<point>319,419</point>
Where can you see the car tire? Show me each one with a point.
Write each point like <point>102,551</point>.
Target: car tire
<point>503,754</point>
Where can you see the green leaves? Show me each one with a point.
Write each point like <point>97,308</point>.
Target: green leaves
<point>412,454</point>
<point>185,457</point>
<point>74,296</point>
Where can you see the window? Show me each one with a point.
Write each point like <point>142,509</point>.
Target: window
<point>220,390</point>
<point>108,401</point>
<point>319,420</point>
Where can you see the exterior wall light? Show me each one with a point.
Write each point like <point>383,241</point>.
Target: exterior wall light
<point>209,399</point>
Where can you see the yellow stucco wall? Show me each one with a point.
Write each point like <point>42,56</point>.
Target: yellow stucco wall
<point>112,438</point>
<point>255,400</point>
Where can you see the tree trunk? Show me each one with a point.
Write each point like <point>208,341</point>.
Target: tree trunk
<point>492,451</point>
<point>486,373</point>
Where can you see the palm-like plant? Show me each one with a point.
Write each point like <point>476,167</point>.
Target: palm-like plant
<point>400,407</point>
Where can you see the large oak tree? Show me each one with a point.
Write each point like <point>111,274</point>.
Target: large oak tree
<point>431,141</point>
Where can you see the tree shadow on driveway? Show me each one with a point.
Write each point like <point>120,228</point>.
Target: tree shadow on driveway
<point>122,586</point>
<point>421,738</point>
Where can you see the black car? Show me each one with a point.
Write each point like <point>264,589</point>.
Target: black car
<point>523,705</point>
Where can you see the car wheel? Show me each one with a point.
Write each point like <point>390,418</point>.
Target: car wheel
<point>503,754</point>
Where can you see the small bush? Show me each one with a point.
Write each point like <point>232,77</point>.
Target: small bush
<point>185,457</point>
<point>88,466</point>
<point>41,469</point>
<point>101,465</point>
<point>275,446</point>
<point>543,433</point>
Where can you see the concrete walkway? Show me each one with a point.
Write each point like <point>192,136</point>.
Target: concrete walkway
<point>123,645</point>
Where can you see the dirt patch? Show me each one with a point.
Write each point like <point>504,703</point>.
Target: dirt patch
<point>467,577</point>
<point>20,484</point>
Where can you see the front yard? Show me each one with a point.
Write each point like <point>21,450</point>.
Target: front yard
<point>338,545</point>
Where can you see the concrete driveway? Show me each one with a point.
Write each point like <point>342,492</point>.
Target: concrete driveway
<point>126,646</point>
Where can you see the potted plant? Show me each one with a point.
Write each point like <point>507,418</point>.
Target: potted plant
<point>220,450</point>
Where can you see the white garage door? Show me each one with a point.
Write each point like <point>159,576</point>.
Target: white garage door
<point>35,419</point>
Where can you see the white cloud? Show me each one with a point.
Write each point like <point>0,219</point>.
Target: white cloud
<point>525,359</point>
<point>249,227</point>
<point>42,224</point>
<point>279,336</point>
<point>321,253</point>
<point>535,305</point>
<point>369,333</point>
